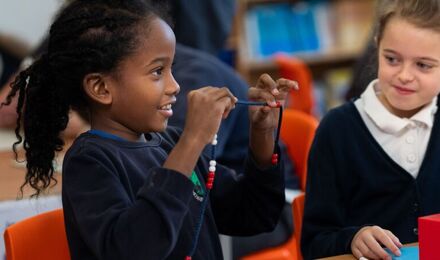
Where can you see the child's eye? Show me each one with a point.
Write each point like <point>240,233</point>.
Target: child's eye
<point>391,60</point>
<point>424,66</point>
<point>157,72</point>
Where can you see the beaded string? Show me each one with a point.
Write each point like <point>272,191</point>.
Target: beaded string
<point>212,168</point>
<point>277,137</point>
<point>209,183</point>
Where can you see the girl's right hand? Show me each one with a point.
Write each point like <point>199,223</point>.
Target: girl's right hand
<point>368,240</point>
<point>206,108</point>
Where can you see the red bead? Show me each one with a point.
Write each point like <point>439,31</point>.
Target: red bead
<point>209,185</point>
<point>211,175</point>
<point>274,159</point>
<point>188,258</point>
<point>278,103</point>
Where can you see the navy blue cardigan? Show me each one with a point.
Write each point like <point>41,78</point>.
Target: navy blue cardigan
<point>352,182</point>
<point>119,203</point>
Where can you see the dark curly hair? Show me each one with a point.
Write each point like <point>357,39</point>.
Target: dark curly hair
<point>88,36</point>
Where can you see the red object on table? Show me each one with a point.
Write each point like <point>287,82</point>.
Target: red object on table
<point>429,237</point>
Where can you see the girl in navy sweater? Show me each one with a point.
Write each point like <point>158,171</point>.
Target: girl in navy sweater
<point>373,166</point>
<point>134,188</point>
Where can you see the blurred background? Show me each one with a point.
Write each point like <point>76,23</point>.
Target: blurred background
<point>328,36</point>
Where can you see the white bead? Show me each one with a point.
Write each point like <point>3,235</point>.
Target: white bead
<point>212,163</point>
<point>214,142</point>
<point>212,168</point>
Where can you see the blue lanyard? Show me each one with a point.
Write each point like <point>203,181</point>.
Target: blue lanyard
<point>105,135</point>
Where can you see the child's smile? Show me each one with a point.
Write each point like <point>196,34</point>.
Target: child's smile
<point>166,110</point>
<point>404,90</point>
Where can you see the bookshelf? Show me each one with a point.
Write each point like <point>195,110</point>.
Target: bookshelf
<point>338,29</point>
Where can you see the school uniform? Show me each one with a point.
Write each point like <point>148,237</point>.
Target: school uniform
<point>119,203</point>
<point>370,167</point>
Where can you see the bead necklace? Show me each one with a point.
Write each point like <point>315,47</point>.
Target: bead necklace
<point>212,167</point>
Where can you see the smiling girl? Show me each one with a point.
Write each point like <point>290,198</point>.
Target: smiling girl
<point>373,167</point>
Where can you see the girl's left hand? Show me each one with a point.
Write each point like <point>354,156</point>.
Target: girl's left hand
<point>265,118</point>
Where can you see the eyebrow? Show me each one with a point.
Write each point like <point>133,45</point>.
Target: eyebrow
<point>159,59</point>
<point>421,58</point>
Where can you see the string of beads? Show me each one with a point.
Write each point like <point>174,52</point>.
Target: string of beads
<point>212,167</point>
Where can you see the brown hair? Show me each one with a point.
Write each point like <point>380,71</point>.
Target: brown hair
<point>421,13</point>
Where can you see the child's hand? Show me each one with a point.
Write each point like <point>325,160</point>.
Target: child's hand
<point>266,118</point>
<point>368,240</point>
<point>206,108</point>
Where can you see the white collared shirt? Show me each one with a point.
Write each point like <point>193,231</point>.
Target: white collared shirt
<point>404,139</point>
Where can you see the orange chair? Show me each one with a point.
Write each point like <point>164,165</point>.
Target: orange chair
<point>295,69</point>
<point>287,251</point>
<point>39,237</point>
<point>298,213</point>
<point>291,249</point>
<point>297,132</point>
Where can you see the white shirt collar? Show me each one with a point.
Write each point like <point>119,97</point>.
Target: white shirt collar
<point>388,122</point>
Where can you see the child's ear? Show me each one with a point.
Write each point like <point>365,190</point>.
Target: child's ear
<point>96,88</point>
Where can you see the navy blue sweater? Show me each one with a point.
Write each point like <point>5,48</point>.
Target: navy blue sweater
<point>119,203</point>
<point>352,182</point>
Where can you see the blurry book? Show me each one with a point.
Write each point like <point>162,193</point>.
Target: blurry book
<point>303,25</point>
<point>337,81</point>
<point>272,29</point>
<point>290,28</point>
<point>319,94</point>
<point>324,23</point>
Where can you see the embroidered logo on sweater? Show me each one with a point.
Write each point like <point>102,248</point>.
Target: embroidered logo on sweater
<point>198,191</point>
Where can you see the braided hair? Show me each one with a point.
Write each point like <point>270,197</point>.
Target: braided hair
<point>88,36</point>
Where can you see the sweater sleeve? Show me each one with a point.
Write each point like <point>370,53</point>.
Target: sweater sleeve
<point>324,230</point>
<point>112,225</point>
<point>248,203</point>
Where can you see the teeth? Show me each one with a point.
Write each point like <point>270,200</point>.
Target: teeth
<point>166,107</point>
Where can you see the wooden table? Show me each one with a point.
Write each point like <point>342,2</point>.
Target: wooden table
<point>351,257</point>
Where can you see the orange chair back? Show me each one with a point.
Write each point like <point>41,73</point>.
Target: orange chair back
<point>39,237</point>
<point>298,213</point>
<point>286,251</point>
<point>295,69</point>
<point>291,249</point>
<point>297,132</point>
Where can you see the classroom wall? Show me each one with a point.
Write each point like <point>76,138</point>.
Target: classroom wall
<point>28,20</point>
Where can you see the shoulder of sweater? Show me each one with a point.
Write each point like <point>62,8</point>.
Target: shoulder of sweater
<point>340,116</point>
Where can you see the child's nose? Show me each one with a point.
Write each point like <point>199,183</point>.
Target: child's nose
<point>405,74</point>
<point>173,88</point>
